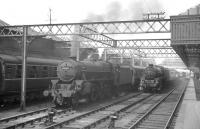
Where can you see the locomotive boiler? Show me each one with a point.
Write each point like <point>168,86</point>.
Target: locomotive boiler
<point>154,78</point>
<point>89,80</point>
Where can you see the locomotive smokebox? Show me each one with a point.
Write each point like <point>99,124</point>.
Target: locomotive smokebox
<point>75,45</point>
<point>67,70</point>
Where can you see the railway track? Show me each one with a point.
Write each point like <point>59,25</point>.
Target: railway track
<point>19,121</point>
<point>127,117</point>
<point>161,114</point>
<point>95,119</point>
<point>31,119</point>
<point>7,119</point>
<point>92,118</point>
<point>154,111</point>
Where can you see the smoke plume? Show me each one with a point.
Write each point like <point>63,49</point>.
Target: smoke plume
<point>134,11</point>
<point>116,12</point>
<point>75,44</point>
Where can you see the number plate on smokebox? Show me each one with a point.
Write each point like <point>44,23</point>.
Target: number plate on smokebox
<point>149,81</point>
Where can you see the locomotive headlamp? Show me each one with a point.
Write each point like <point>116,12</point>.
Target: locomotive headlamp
<point>46,93</point>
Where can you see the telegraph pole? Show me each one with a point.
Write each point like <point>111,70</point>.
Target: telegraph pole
<point>50,10</point>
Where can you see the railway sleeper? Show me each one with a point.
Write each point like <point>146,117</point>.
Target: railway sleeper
<point>154,123</point>
<point>28,120</point>
<point>114,110</point>
<point>147,127</point>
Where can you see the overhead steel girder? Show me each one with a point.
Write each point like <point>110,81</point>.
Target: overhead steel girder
<point>100,38</point>
<point>11,31</point>
<point>95,31</point>
<point>146,47</point>
<point>147,53</point>
<point>134,43</point>
<point>114,27</point>
<point>142,43</point>
<point>125,53</point>
<point>103,39</point>
<point>158,53</point>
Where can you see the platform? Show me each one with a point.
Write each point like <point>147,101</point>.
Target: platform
<point>189,114</point>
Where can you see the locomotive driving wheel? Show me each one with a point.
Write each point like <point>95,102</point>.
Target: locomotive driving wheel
<point>93,95</point>
<point>75,101</point>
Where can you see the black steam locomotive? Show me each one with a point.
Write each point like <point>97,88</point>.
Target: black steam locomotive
<point>154,78</point>
<point>40,72</point>
<point>90,80</point>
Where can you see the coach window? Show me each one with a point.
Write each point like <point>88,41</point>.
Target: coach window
<point>45,71</point>
<point>39,71</point>
<point>50,71</point>
<point>35,73</point>
<point>10,71</point>
<point>30,72</point>
<point>54,70</point>
<point>1,73</point>
<point>19,71</point>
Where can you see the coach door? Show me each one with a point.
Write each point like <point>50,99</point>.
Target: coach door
<point>2,71</point>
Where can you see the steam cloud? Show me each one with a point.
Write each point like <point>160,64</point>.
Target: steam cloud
<point>75,44</point>
<point>133,11</point>
<point>115,11</point>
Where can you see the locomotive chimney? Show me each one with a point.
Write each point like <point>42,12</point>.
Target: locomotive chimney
<point>75,45</point>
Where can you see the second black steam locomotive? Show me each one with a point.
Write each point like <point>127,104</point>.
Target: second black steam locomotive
<point>154,78</point>
<point>90,80</point>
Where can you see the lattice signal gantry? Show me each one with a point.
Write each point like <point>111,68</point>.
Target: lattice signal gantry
<point>115,27</point>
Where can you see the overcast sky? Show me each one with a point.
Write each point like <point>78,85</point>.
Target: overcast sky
<point>18,12</point>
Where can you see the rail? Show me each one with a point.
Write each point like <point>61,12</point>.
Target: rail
<point>58,125</point>
<point>9,123</point>
<point>147,113</point>
<point>7,119</point>
<point>175,109</point>
<point>139,121</point>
